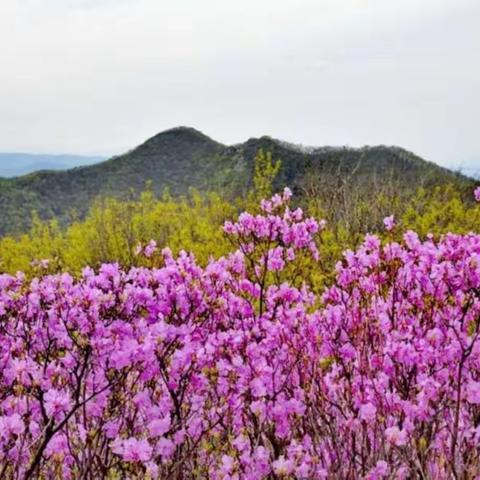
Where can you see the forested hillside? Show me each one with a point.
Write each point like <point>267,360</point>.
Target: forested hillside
<point>183,158</point>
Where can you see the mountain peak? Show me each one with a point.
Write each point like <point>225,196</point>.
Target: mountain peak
<point>181,158</point>
<point>180,134</point>
<point>183,129</point>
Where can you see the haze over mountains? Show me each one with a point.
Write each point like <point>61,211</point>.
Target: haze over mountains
<point>16,164</point>
<point>471,168</point>
<point>182,158</point>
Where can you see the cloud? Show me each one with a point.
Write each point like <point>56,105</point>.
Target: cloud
<point>85,76</point>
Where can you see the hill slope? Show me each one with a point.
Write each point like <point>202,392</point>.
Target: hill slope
<point>182,158</point>
<point>16,164</point>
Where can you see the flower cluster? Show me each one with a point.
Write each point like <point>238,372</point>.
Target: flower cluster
<point>239,371</point>
<point>400,329</point>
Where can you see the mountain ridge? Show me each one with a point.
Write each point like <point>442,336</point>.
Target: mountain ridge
<point>182,157</point>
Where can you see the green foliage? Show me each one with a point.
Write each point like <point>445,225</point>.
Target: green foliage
<point>265,172</point>
<point>180,159</point>
<point>113,227</point>
<point>440,210</point>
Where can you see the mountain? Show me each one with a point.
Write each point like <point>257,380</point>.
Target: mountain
<point>16,164</point>
<point>182,158</point>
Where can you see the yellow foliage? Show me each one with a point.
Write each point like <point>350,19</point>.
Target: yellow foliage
<point>113,228</point>
<point>439,211</point>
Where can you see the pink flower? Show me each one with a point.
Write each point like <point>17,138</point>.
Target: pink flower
<point>136,450</point>
<point>56,402</point>
<point>287,194</point>
<point>152,470</point>
<point>282,466</point>
<point>165,447</point>
<point>367,412</point>
<point>473,392</point>
<point>150,249</point>
<point>266,206</point>
<point>23,371</point>
<point>229,228</point>
<point>303,470</point>
<point>82,433</point>
<point>476,194</point>
<point>227,465</point>
<point>116,446</point>
<point>11,425</point>
<point>158,427</point>
<point>395,436</point>
<point>378,472</point>
<point>111,429</point>
<point>377,347</point>
<point>179,437</point>
<point>389,223</point>
<point>258,388</point>
<point>57,445</point>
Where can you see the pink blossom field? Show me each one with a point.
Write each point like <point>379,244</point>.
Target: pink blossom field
<point>243,369</point>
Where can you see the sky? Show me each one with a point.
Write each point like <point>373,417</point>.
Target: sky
<point>102,76</point>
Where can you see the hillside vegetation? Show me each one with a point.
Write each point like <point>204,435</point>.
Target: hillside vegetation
<point>221,330</point>
<point>113,228</point>
<point>182,158</point>
<point>248,367</point>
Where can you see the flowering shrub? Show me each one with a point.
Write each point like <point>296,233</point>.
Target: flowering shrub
<point>239,371</point>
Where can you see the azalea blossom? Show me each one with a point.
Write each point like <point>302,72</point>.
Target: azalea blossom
<point>389,222</point>
<point>136,450</point>
<point>239,369</point>
<point>396,436</point>
<point>476,194</point>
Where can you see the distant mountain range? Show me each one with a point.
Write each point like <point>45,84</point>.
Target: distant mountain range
<point>182,158</point>
<point>16,164</point>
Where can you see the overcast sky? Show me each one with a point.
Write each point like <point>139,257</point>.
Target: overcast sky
<point>101,76</point>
